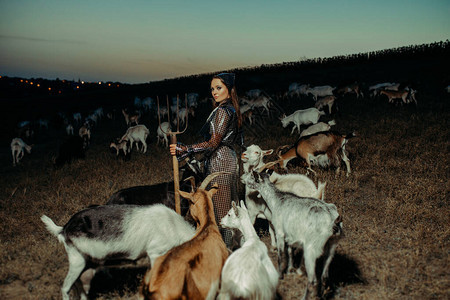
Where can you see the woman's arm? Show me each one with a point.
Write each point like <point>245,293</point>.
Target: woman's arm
<point>218,130</point>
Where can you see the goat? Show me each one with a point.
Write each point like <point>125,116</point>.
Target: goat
<point>309,223</point>
<point>69,129</point>
<point>162,192</point>
<point>324,90</point>
<point>321,126</point>
<point>351,88</point>
<point>248,273</point>
<point>302,117</point>
<point>253,94</point>
<point>131,118</point>
<point>72,148</point>
<point>17,149</point>
<point>376,88</point>
<point>325,101</point>
<point>124,232</point>
<point>260,102</point>
<point>299,184</point>
<point>85,133</point>
<point>161,133</point>
<point>191,270</point>
<point>120,146</point>
<point>395,95</point>
<point>323,149</point>
<point>296,89</point>
<point>136,134</point>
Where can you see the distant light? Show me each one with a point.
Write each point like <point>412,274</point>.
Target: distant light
<point>78,87</point>
<point>117,85</point>
<point>49,89</point>
<point>59,92</point>
<point>38,85</point>
<point>109,84</point>
<point>26,81</point>
<point>21,80</point>
<point>31,82</point>
<point>82,82</point>
<point>99,82</point>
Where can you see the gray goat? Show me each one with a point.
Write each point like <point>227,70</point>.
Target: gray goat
<point>309,223</point>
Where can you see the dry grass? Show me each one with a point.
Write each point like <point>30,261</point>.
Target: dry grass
<point>394,205</point>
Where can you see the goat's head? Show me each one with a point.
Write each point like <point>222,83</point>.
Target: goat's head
<point>200,199</point>
<point>284,120</point>
<point>253,155</point>
<point>234,216</point>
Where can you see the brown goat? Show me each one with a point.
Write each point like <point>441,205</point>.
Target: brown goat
<point>323,149</point>
<point>191,270</point>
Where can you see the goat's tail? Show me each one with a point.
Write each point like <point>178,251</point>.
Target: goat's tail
<point>52,227</point>
<point>350,135</point>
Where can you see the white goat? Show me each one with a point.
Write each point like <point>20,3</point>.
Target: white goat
<point>136,134</point>
<point>248,273</point>
<point>321,126</point>
<point>17,149</point>
<point>260,102</point>
<point>301,222</point>
<point>299,184</point>
<point>302,117</point>
<point>322,91</point>
<point>133,231</point>
<point>161,133</point>
<point>325,101</point>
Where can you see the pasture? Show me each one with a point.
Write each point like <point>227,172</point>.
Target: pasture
<point>394,204</point>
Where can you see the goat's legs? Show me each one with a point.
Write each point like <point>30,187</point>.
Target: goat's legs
<point>77,264</point>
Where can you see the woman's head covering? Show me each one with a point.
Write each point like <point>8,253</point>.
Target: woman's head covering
<point>227,78</point>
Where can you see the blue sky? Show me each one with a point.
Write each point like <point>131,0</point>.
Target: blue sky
<point>141,41</point>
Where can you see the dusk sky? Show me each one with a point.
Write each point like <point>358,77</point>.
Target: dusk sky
<point>146,40</point>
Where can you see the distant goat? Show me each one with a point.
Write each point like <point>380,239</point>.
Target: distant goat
<point>69,129</point>
<point>17,149</point>
<point>320,91</point>
<point>131,118</point>
<point>301,117</point>
<point>328,101</point>
<point>120,146</point>
<point>136,134</point>
<point>121,232</point>
<point>162,132</point>
<point>248,273</point>
<point>321,126</point>
<point>191,270</point>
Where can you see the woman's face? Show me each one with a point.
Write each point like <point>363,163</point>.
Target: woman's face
<point>219,90</point>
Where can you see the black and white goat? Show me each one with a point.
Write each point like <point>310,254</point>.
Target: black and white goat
<point>301,222</point>
<point>117,232</point>
<point>248,273</point>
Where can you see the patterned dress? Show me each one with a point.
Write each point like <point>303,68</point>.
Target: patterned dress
<point>222,133</point>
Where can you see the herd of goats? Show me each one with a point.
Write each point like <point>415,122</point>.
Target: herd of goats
<point>188,257</point>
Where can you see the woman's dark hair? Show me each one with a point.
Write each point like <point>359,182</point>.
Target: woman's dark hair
<point>234,100</point>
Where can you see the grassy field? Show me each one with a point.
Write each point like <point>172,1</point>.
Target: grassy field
<point>395,203</point>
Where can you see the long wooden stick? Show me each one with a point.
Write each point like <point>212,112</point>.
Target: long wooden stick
<point>176,177</point>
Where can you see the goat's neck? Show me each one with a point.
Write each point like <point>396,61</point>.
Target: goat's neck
<point>269,193</point>
<point>248,230</point>
<point>206,218</point>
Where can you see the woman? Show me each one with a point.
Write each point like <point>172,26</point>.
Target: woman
<point>222,132</point>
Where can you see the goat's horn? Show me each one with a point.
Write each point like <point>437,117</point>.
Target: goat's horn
<point>267,166</point>
<point>192,180</point>
<point>211,177</point>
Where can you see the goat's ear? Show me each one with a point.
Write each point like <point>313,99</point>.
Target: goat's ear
<point>267,152</point>
<point>243,205</point>
<point>236,211</point>
<point>214,189</point>
<point>186,195</point>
